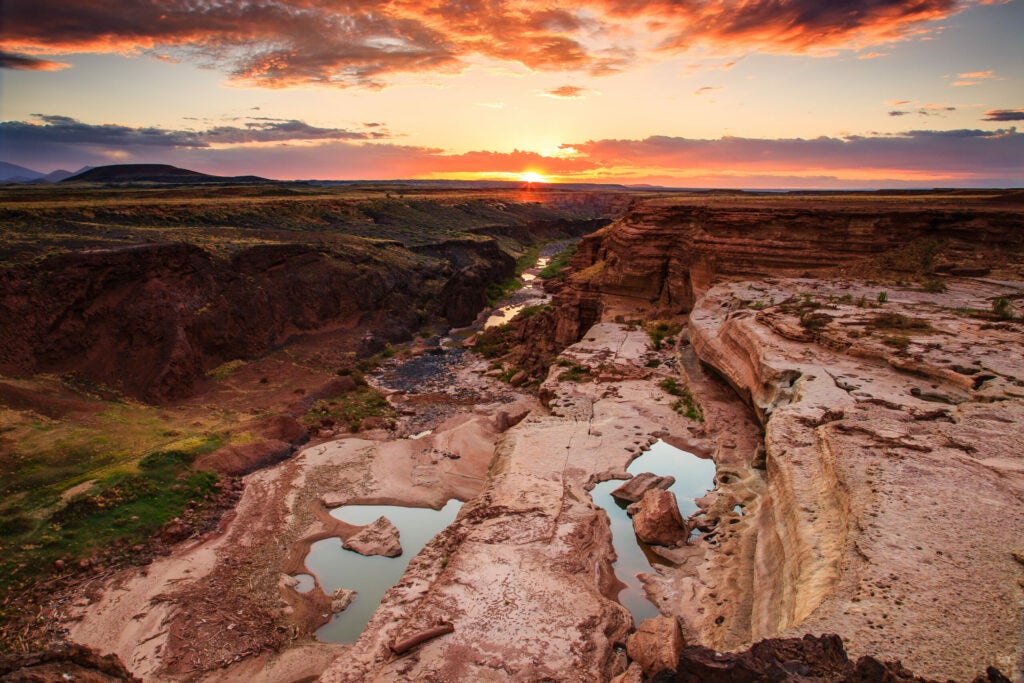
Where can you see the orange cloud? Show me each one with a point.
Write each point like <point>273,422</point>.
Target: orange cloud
<point>281,43</point>
<point>565,92</point>
<point>975,77</point>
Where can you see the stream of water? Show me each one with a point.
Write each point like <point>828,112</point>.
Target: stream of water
<point>694,476</point>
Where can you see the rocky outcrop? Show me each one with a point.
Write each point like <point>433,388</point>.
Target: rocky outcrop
<point>379,538</point>
<point>811,658</point>
<point>668,252</point>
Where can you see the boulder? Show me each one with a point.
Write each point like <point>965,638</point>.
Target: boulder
<point>658,521</point>
<point>634,489</point>
<point>379,538</point>
<point>656,645</point>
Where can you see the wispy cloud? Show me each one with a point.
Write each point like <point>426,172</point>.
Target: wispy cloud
<point>707,89</point>
<point>565,92</point>
<point>282,43</point>
<point>975,77</point>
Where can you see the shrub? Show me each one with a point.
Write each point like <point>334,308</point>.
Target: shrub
<point>883,297</point>
<point>662,332</point>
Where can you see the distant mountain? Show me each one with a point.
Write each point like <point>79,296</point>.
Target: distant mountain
<point>155,173</point>
<point>12,173</point>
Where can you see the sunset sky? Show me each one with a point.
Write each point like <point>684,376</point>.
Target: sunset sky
<point>687,93</point>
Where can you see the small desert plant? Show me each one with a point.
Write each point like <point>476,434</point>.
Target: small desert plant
<point>662,332</point>
<point>1002,308</point>
<point>883,297</point>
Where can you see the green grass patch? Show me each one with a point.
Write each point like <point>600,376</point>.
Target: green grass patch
<point>686,405</point>
<point>125,507</point>
<point>897,341</point>
<point>349,410</point>
<point>496,291</point>
<point>574,373</point>
<point>555,268</point>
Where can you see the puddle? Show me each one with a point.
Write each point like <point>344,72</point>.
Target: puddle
<point>694,477</point>
<point>370,577</point>
<point>305,583</point>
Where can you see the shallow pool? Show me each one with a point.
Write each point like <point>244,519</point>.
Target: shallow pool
<point>337,568</point>
<point>694,476</point>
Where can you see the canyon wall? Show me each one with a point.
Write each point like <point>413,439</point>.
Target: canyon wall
<point>863,341</point>
<point>150,320</point>
<point>667,252</point>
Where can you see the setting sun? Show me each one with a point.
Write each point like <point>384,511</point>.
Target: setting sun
<point>532,177</point>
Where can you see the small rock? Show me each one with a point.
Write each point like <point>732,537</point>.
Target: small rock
<point>656,645</point>
<point>519,378</point>
<point>379,538</point>
<point>341,599</point>
<point>60,565</point>
<point>1018,554</point>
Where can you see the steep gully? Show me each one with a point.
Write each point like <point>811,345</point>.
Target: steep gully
<point>874,457</point>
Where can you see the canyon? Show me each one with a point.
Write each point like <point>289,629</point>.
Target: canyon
<point>852,364</point>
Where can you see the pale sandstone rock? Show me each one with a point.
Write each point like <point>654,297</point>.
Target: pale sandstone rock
<point>658,521</point>
<point>379,538</point>
<point>634,489</point>
<point>656,645</point>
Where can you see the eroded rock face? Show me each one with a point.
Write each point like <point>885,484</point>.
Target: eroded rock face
<point>379,538</point>
<point>657,520</point>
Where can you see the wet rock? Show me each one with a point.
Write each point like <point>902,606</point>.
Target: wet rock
<point>341,599</point>
<point>634,489</point>
<point>656,645</point>
<point>379,538</point>
<point>658,521</point>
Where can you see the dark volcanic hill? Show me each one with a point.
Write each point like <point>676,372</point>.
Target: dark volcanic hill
<point>155,173</point>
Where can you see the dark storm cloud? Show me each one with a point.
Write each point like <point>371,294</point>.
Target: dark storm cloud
<point>1004,115</point>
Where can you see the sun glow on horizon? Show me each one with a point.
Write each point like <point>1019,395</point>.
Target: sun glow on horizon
<point>533,177</point>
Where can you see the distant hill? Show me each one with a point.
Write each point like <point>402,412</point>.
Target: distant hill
<point>12,173</point>
<point>155,173</point>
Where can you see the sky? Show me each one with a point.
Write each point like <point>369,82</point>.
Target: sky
<point>685,93</point>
